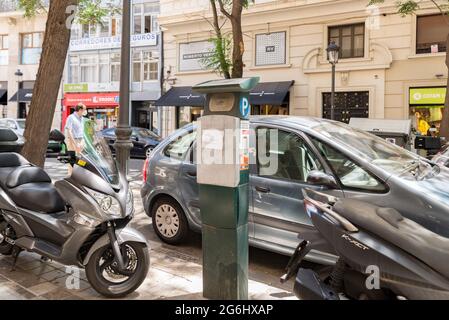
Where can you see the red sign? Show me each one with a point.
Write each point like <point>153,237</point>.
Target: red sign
<point>92,99</point>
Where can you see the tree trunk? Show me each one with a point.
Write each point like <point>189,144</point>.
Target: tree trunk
<point>237,35</point>
<point>221,49</point>
<point>48,80</point>
<point>444,127</point>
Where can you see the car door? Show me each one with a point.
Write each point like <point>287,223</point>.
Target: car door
<point>284,159</point>
<point>190,191</point>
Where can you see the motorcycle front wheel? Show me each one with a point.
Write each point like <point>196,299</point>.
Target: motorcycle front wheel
<point>106,278</point>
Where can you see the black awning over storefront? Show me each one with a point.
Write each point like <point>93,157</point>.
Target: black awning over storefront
<point>25,95</point>
<point>271,93</point>
<point>181,97</point>
<point>265,93</point>
<point>3,97</point>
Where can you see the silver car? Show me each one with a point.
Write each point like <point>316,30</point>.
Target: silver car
<point>310,153</point>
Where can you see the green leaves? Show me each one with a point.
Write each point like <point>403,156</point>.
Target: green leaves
<point>93,11</point>
<point>89,11</point>
<point>31,7</point>
<point>220,56</point>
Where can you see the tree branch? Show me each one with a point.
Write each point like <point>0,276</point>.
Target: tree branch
<point>223,10</point>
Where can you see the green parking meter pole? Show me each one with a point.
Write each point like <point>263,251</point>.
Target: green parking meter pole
<point>223,176</point>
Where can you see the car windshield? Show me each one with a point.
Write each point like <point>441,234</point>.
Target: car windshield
<point>21,124</point>
<point>147,134</point>
<point>97,152</point>
<point>376,150</point>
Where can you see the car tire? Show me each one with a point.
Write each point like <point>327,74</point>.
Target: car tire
<point>169,221</point>
<point>148,151</point>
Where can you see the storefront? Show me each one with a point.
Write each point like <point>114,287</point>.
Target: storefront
<point>426,108</point>
<point>267,98</point>
<point>101,107</point>
<point>144,115</point>
<point>24,95</point>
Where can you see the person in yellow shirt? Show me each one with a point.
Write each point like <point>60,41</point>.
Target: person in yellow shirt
<point>422,125</point>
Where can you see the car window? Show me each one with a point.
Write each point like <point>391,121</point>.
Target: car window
<point>147,134</point>
<point>282,154</point>
<point>21,124</point>
<point>3,124</point>
<point>178,148</point>
<point>11,124</point>
<point>351,175</point>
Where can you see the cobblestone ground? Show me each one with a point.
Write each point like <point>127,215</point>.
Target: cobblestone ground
<point>175,272</point>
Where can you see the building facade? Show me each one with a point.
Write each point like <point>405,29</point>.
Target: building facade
<point>20,50</point>
<point>390,66</point>
<point>93,68</point>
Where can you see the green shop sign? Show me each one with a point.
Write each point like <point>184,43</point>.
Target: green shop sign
<point>77,87</point>
<point>424,96</point>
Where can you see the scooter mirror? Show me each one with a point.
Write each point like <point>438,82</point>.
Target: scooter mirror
<point>319,178</point>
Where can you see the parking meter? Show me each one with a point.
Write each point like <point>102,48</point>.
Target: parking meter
<point>223,176</point>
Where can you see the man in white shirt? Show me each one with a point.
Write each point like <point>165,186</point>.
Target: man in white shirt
<point>74,130</point>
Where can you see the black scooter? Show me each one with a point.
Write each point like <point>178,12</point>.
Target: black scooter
<point>382,255</point>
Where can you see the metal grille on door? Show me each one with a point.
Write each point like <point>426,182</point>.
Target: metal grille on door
<point>347,105</point>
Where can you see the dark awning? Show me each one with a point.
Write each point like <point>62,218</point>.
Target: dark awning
<point>181,97</point>
<point>3,96</point>
<point>273,93</point>
<point>25,95</point>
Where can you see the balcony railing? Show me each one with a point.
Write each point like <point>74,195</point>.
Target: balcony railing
<point>12,5</point>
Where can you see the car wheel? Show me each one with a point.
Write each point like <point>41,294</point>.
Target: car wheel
<point>148,151</point>
<point>169,221</point>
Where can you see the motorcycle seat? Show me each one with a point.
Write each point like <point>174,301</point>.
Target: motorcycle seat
<point>28,186</point>
<point>390,225</point>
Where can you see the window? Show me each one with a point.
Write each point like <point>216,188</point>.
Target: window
<point>351,175</point>
<point>74,69</point>
<point>31,46</point>
<point>284,155</point>
<point>115,67</point>
<point>178,148</point>
<point>116,26</point>
<point>104,68</point>
<point>271,48</point>
<point>137,67</point>
<point>431,34</point>
<point>4,45</point>
<point>88,67</point>
<point>104,28</point>
<point>145,18</point>
<point>350,38</point>
<point>146,65</point>
<point>150,65</point>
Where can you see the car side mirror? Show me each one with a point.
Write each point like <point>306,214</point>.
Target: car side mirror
<point>135,138</point>
<point>319,178</point>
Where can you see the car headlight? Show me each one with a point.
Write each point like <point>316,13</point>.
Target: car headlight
<point>108,204</point>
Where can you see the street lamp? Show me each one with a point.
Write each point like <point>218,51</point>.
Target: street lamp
<point>332,54</point>
<point>123,131</point>
<point>19,75</point>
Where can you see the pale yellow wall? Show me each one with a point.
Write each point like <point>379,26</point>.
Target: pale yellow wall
<point>14,24</point>
<point>387,71</point>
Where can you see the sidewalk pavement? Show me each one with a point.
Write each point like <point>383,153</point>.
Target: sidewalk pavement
<point>173,275</point>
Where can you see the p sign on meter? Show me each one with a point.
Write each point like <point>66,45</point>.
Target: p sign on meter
<point>244,107</point>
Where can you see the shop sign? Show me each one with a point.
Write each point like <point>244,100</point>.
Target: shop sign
<point>91,87</point>
<point>192,54</point>
<point>92,99</point>
<point>423,96</point>
<point>97,43</point>
<point>271,48</point>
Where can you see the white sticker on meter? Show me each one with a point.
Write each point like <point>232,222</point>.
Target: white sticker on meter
<point>212,139</point>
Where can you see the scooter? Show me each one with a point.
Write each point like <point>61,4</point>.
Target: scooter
<point>382,255</point>
<point>80,220</point>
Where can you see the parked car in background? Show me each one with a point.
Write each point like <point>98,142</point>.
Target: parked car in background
<point>18,126</point>
<point>144,140</point>
<point>310,153</point>
<point>442,157</point>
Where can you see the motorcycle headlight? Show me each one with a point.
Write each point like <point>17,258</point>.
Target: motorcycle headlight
<point>108,204</point>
